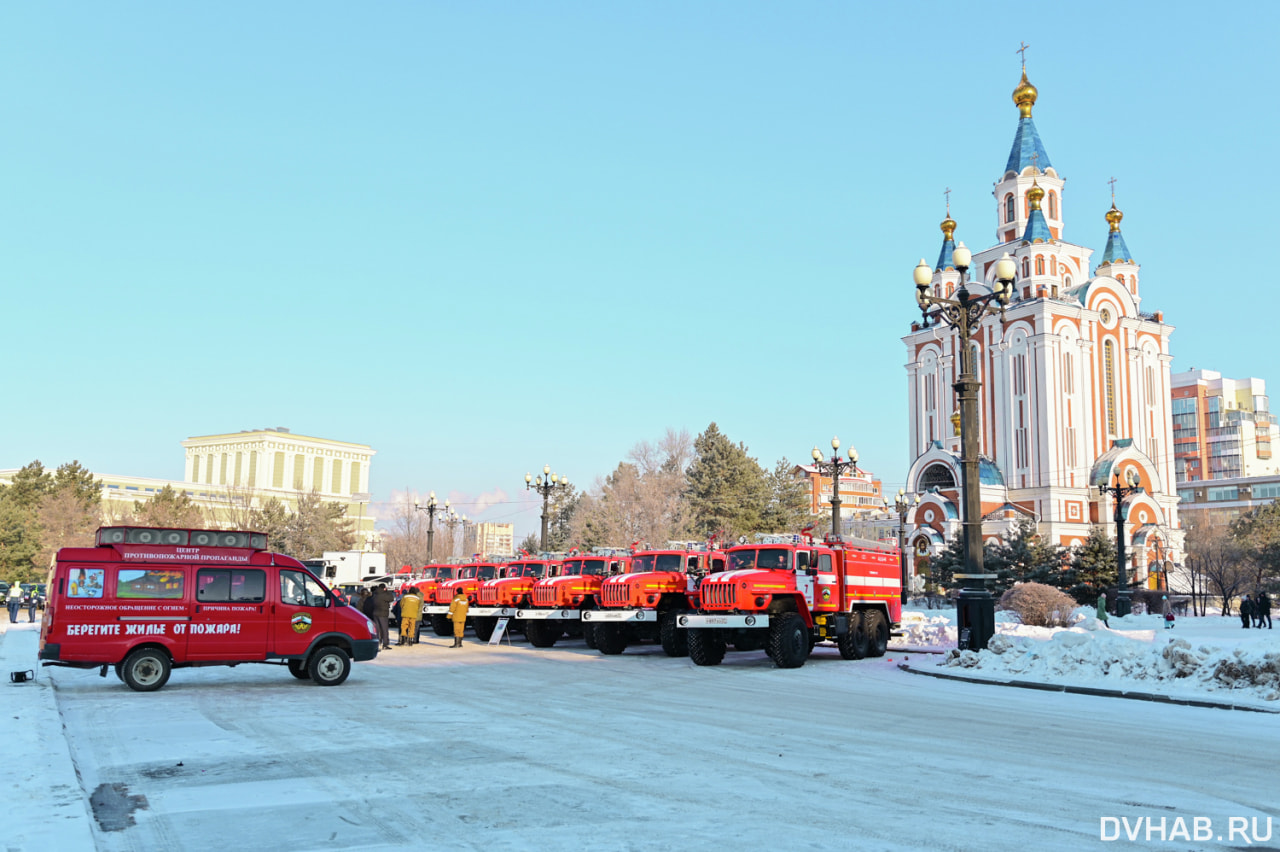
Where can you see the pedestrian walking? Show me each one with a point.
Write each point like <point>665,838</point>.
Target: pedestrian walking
<point>14,601</point>
<point>1262,604</point>
<point>1168,616</point>
<point>458,615</point>
<point>31,605</point>
<point>382,599</point>
<point>1246,611</point>
<point>410,612</point>
<point>1102,609</point>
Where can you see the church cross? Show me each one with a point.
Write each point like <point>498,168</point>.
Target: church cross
<point>1023,51</point>
<point>947,193</point>
<point>1113,191</point>
<point>1035,156</point>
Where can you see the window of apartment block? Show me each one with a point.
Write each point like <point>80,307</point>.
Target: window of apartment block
<point>1229,492</point>
<point>277,471</point>
<point>337,476</point>
<point>239,469</point>
<point>253,469</point>
<point>317,474</point>
<point>299,468</point>
<point>222,474</point>
<point>355,477</point>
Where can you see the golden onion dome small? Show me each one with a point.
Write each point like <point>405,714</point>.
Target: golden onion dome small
<point>1035,195</point>
<point>1113,217</point>
<point>948,227</point>
<point>1025,96</point>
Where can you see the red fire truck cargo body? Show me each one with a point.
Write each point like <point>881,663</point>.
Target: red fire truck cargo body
<point>643,604</point>
<point>468,579</point>
<point>558,602</point>
<point>785,594</point>
<point>150,600</point>
<point>503,596</point>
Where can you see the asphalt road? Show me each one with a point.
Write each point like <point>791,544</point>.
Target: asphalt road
<point>517,748</point>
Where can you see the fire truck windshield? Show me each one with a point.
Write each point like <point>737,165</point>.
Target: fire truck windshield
<point>641,564</point>
<point>575,567</point>
<point>668,562</point>
<point>767,558</point>
<point>487,572</point>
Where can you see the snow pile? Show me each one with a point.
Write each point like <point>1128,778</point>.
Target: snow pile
<point>926,631</point>
<point>1129,659</point>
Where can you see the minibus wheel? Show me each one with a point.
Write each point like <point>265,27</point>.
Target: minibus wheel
<point>298,668</point>
<point>329,665</point>
<point>146,669</point>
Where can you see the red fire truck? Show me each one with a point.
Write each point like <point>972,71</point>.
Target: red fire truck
<point>558,602</point>
<point>643,604</point>
<point>147,600</point>
<point>784,593</point>
<point>502,596</point>
<point>469,577</point>
<point>432,577</point>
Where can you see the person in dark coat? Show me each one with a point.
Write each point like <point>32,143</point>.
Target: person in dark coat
<point>1246,611</point>
<point>366,603</point>
<point>1262,608</point>
<point>383,598</point>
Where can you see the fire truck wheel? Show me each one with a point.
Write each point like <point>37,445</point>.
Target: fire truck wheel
<point>854,644</point>
<point>298,668</point>
<point>877,630</point>
<point>485,627</point>
<point>706,646</point>
<point>589,636</point>
<point>610,639</point>
<point>788,641</point>
<point>441,625</point>
<point>146,669</point>
<point>542,634</point>
<point>675,642</point>
<point>329,665</point>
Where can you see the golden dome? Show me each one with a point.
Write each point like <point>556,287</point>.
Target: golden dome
<point>1113,217</point>
<point>1025,95</point>
<point>948,227</point>
<point>955,422</point>
<point>1035,195</point>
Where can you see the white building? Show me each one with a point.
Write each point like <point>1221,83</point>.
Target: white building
<point>1075,378</point>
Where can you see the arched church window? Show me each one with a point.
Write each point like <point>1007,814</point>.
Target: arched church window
<point>1026,267</point>
<point>1053,266</point>
<point>1039,264</point>
<point>1053,205</point>
<point>1008,207</point>
<point>1120,278</point>
<point>1066,282</point>
<point>937,476</point>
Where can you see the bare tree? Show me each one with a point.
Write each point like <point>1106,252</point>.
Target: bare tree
<point>1219,561</point>
<point>406,542</point>
<point>643,499</point>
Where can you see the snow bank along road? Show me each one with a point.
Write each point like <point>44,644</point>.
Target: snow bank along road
<point>518,748</point>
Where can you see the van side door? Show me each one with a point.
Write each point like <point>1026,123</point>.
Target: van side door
<point>303,610</point>
<point>229,615</point>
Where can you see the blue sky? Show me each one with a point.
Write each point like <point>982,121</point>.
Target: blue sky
<point>481,237</point>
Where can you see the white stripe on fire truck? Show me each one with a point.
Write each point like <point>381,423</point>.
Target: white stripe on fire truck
<point>870,581</point>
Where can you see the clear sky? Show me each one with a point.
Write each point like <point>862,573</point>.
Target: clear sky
<point>481,237</point>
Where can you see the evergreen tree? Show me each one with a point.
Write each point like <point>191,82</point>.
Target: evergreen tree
<point>787,505</point>
<point>27,487</point>
<point>169,508</point>
<point>725,487</point>
<point>1093,567</point>
<point>1025,558</point>
<point>532,543</point>
<point>1257,534</point>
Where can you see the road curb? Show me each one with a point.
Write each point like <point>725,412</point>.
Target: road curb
<point>1093,690</point>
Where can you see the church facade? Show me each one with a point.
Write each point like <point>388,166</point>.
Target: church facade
<point>1075,381</point>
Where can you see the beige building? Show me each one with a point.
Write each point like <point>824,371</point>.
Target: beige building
<point>228,474</point>
<point>488,539</point>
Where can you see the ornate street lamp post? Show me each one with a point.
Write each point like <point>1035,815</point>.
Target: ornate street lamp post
<point>451,520</point>
<point>902,505</point>
<point>834,467</point>
<point>431,508</point>
<point>975,608</point>
<point>547,484</point>
<point>1124,595</point>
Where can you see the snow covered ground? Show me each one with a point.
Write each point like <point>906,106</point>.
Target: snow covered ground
<point>1211,658</point>
<point>514,748</point>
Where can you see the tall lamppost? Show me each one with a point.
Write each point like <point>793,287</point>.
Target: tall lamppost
<point>1124,595</point>
<point>902,505</point>
<point>431,508</point>
<point>975,608</point>
<point>547,484</point>
<point>834,467</point>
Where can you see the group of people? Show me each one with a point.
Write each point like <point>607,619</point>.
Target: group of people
<point>1255,609</point>
<point>14,602</point>
<point>377,603</point>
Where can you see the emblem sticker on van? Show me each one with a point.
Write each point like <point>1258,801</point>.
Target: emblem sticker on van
<point>301,622</point>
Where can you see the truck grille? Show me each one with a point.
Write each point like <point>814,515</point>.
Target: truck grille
<point>717,595</point>
<point>544,595</point>
<point>613,594</point>
<point>487,596</point>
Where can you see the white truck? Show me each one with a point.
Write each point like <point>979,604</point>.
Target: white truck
<point>352,566</point>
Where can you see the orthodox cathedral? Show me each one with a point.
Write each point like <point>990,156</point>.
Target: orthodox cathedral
<point>1075,382</point>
